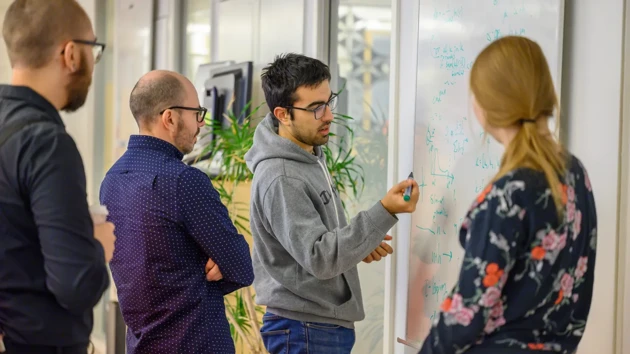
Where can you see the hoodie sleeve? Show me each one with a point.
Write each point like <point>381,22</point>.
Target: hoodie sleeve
<point>299,228</point>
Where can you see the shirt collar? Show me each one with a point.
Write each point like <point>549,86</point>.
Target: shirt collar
<point>146,142</point>
<point>24,93</point>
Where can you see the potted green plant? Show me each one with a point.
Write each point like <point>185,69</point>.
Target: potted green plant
<point>229,146</point>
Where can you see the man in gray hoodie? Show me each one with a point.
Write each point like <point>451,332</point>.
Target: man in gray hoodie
<point>305,251</point>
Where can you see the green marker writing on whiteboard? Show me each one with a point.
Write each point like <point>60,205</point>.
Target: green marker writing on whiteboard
<point>407,195</point>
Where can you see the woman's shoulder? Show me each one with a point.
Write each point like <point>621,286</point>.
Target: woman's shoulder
<point>577,174</point>
<point>522,185</point>
<point>532,180</point>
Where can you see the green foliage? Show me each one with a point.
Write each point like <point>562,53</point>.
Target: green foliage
<point>230,145</point>
<point>347,174</point>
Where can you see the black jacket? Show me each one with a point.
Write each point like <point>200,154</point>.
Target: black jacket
<point>52,270</point>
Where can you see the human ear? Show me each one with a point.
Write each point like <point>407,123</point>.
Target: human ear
<point>70,56</point>
<point>282,114</point>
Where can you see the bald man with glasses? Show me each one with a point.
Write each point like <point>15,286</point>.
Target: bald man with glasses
<point>178,253</point>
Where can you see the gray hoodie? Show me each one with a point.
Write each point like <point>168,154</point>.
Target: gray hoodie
<point>305,251</point>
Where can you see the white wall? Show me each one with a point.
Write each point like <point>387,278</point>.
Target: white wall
<point>623,284</point>
<point>133,57</point>
<point>591,92</point>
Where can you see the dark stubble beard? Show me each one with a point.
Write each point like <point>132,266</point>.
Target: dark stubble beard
<point>183,142</point>
<point>78,89</point>
<point>316,140</point>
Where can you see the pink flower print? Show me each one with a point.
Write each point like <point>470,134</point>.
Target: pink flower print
<point>580,270</point>
<point>521,214</point>
<point>571,194</point>
<point>567,284</point>
<point>457,304</point>
<point>577,224</point>
<point>550,242</point>
<point>466,223</point>
<point>497,310</point>
<point>490,297</point>
<point>570,211</point>
<point>465,316</point>
<point>575,297</point>
<point>491,325</point>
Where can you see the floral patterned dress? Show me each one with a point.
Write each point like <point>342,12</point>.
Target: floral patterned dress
<point>526,281</point>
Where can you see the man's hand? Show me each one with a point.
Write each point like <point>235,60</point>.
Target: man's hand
<point>394,201</point>
<point>104,233</point>
<point>213,273</point>
<point>380,252</point>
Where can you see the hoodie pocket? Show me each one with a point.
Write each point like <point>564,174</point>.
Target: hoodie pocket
<point>351,310</point>
<point>333,298</point>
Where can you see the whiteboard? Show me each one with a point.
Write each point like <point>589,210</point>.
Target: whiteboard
<point>452,159</point>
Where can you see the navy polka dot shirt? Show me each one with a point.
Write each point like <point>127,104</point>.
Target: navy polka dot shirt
<point>169,220</point>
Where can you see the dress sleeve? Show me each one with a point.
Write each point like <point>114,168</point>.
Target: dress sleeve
<point>475,306</point>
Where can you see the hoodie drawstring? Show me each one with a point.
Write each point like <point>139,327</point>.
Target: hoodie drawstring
<point>332,194</point>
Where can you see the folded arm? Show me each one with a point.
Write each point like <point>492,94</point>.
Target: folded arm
<point>208,223</point>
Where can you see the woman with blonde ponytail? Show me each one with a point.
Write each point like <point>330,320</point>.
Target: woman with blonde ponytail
<point>526,281</point>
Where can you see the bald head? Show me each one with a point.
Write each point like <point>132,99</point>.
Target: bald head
<point>34,29</point>
<point>154,92</point>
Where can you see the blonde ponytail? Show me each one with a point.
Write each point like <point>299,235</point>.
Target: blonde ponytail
<point>511,82</point>
<point>531,149</point>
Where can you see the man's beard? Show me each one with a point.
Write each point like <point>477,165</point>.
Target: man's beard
<point>183,141</point>
<point>316,140</point>
<point>78,89</point>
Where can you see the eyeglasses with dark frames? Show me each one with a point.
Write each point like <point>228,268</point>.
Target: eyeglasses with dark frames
<point>97,48</point>
<point>319,111</point>
<point>201,111</point>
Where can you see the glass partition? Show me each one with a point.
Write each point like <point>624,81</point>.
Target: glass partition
<point>197,35</point>
<point>363,56</point>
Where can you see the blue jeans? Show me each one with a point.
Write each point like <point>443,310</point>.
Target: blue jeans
<point>284,336</point>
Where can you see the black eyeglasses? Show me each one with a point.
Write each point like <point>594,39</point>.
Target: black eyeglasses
<point>201,111</point>
<point>319,111</point>
<point>97,48</point>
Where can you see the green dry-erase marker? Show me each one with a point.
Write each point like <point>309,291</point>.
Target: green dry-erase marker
<point>407,195</point>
